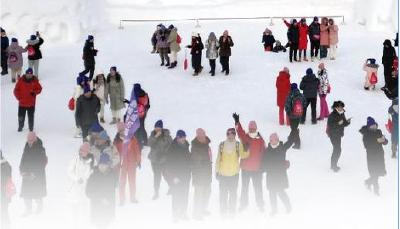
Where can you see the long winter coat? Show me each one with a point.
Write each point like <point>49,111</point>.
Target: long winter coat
<point>87,110</point>
<point>26,90</point>
<point>100,189</point>
<point>282,88</point>
<point>333,34</point>
<point>375,153</point>
<point>89,53</point>
<point>15,60</point>
<point>79,172</point>
<point>131,156</point>
<point>255,146</point>
<point>172,40</point>
<point>293,34</point>
<point>5,42</point>
<point>323,82</point>
<point>177,165</point>
<point>32,167</point>
<point>293,96</point>
<point>159,146</point>
<point>35,44</point>
<point>334,129</point>
<point>314,31</point>
<point>200,162</point>
<point>268,41</point>
<point>395,120</point>
<point>143,104</point>
<point>389,54</point>
<point>324,35</point>
<point>303,34</point>
<point>116,91</point>
<point>212,47</point>
<point>225,46</point>
<point>275,165</point>
<point>309,84</point>
<point>162,39</point>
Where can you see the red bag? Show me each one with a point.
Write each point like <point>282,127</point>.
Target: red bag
<point>10,188</point>
<point>185,63</point>
<point>71,104</point>
<point>389,126</point>
<point>178,39</point>
<point>374,79</point>
<point>31,51</point>
<point>297,109</point>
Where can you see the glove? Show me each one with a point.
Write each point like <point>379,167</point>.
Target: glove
<point>126,101</point>
<point>236,118</point>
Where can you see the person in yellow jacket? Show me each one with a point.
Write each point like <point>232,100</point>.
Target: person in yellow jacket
<point>227,171</point>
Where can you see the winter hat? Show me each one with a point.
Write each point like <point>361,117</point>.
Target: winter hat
<point>29,71</point>
<point>337,104</point>
<point>96,128</point>
<point>104,159</point>
<point>252,125</point>
<point>321,65</point>
<point>120,127</point>
<point>371,60</point>
<point>274,137</point>
<point>371,121</point>
<point>387,42</point>
<point>90,37</point>
<point>84,149</point>
<point>2,30</point>
<point>159,124</point>
<point>113,68</point>
<point>286,69</point>
<point>14,39</point>
<point>303,20</point>
<point>31,137</point>
<point>81,78</point>
<point>315,19</point>
<point>104,136</point>
<point>33,37</point>
<point>171,27</point>
<point>309,71</point>
<point>180,134</point>
<point>86,88</point>
<point>294,21</point>
<point>293,86</point>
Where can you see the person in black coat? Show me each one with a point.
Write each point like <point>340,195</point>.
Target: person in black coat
<point>87,108</point>
<point>314,34</point>
<point>293,39</point>
<point>394,113</point>
<point>5,195</point>
<point>268,40</point>
<point>100,189</point>
<point>32,169</point>
<point>4,56</point>
<point>89,52</point>
<point>177,170</point>
<point>309,84</point>
<point>200,163</point>
<point>335,130</point>
<point>276,165</point>
<point>389,54</point>
<point>295,97</point>
<point>34,52</point>
<point>373,140</point>
<point>225,51</point>
<point>196,51</point>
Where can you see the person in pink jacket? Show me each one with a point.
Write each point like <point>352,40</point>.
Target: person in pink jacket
<point>324,37</point>
<point>333,38</point>
<point>371,78</point>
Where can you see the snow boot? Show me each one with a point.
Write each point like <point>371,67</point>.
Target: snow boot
<point>78,133</point>
<point>114,121</point>
<point>305,59</point>
<point>173,65</point>
<point>102,120</point>
<point>167,63</point>
<point>20,129</point>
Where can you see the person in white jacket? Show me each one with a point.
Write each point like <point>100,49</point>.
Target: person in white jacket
<point>99,87</point>
<point>79,171</point>
<point>81,81</point>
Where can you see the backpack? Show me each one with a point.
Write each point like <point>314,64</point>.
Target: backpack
<point>13,57</point>
<point>31,51</point>
<point>297,108</point>
<point>374,79</point>
<point>178,39</point>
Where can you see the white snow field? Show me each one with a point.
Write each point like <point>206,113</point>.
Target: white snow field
<point>320,198</point>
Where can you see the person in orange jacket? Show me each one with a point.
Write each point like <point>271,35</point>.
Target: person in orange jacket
<point>130,155</point>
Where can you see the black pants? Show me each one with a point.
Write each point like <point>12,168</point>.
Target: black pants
<point>323,51</point>
<point>196,62</point>
<point>228,193</point>
<point>202,195</point>
<point>387,71</point>
<point>313,102</point>
<point>89,68</point>
<point>273,197</point>
<point>293,51</point>
<point>212,65</point>
<point>21,117</point>
<point>305,55</point>
<point>314,48</point>
<point>256,178</point>
<point>294,131</point>
<point>337,149</point>
<point>180,198</point>
<point>141,133</point>
<point>4,66</point>
<point>158,171</point>
<point>85,131</point>
<point>224,60</point>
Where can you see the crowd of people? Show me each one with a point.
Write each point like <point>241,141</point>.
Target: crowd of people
<point>102,164</point>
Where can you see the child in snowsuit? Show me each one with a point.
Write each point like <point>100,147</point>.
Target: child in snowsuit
<point>278,47</point>
<point>371,78</point>
<point>268,40</point>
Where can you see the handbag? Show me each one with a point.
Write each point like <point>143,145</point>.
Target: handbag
<point>71,104</point>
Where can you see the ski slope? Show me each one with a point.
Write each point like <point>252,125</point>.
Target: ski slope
<point>320,198</point>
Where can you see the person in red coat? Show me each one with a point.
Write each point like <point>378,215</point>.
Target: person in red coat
<point>251,166</point>
<point>130,159</point>
<point>303,34</point>
<point>282,89</point>
<point>26,90</point>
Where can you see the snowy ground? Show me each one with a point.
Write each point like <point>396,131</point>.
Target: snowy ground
<point>320,198</point>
